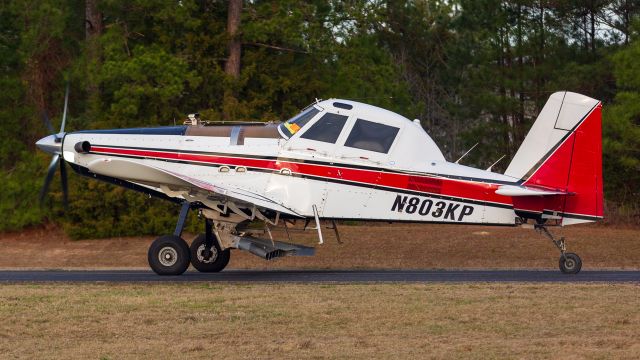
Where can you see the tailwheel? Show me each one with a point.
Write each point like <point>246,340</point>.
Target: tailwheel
<point>213,259</point>
<point>169,255</point>
<point>570,263</point>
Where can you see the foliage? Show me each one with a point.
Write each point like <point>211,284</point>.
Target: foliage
<point>621,126</point>
<point>470,70</point>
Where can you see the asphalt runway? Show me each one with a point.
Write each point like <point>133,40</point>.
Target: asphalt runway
<point>321,276</point>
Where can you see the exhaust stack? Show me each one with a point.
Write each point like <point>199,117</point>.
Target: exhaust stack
<point>270,250</point>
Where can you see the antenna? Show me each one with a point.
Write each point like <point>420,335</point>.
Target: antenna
<point>492,165</point>
<point>465,154</point>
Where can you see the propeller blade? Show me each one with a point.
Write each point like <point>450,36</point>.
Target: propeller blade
<point>47,180</point>
<point>47,122</point>
<point>66,104</point>
<point>65,185</point>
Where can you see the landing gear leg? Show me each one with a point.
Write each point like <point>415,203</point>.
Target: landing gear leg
<point>570,263</point>
<point>169,254</point>
<point>208,240</point>
<point>182,218</point>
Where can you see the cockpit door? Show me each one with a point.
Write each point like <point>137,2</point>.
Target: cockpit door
<point>318,138</point>
<point>304,163</point>
<point>369,143</point>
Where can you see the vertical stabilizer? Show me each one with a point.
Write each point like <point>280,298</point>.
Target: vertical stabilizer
<point>563,152</point>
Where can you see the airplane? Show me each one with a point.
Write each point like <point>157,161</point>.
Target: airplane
<point>338,160</point>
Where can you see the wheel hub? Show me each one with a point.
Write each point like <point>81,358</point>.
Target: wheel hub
<point>569,263</point>
<point>201,254</point>
<point>168,256</point>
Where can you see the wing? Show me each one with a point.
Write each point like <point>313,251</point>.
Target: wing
<point>154,176</point>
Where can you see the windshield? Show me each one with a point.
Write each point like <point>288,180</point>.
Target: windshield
<point>291,126</point>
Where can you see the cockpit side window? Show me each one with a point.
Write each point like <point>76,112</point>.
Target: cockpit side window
<point>371,136</point>
<point>326,129</point>
<point>291,126</point>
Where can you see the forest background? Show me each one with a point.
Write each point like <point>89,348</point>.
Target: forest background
<point>472,71</point>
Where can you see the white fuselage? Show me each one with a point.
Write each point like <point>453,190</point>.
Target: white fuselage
<point>300,177</point>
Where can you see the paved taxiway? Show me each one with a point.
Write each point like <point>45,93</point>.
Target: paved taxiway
<point>316,276</point>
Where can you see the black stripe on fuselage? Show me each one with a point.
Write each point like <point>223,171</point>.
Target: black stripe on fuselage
<point>419,222</point>
<point>573,216</point>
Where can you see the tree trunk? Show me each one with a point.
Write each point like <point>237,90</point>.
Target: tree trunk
<point>593,30</point>
<point>93,19</point>
<point>232,67</point>
<point>539,60</point>
<point>503,64</point>
<point>520,119</point>
<point>626,21</point>
<point>93,30</point>
<point>586,33</point>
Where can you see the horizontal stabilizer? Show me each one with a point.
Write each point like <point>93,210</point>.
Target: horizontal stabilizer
<point>510,190</point>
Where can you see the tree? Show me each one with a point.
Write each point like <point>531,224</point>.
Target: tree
<point>621,126</point>
<point>472,71</point>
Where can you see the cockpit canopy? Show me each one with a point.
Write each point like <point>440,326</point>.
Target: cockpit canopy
<point>349,129</point>
<point>290,127</point>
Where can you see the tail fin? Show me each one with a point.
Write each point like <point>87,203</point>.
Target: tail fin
<point>563,152</point>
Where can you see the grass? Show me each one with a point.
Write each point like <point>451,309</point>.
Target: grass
<point>290,321</point>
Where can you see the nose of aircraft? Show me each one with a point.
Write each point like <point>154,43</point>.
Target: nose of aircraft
<point>51,144</point>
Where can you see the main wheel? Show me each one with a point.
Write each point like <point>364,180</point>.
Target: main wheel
<point>570,263</point>
<point>216,262</point>
<point>169,255</point>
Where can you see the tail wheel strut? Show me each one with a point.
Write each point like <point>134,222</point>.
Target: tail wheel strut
<point>570,263</point>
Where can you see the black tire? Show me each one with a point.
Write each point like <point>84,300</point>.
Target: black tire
<point>570,263</point>
<point>169,255</point>
<point>216,263</point>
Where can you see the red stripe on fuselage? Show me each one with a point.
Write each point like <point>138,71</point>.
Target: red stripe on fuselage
<point>477,191</point>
